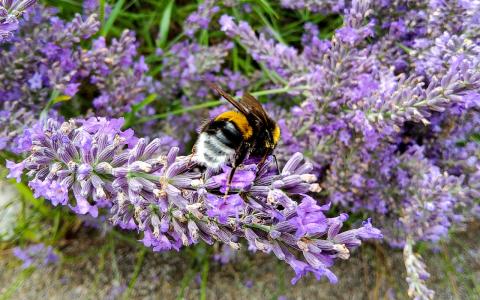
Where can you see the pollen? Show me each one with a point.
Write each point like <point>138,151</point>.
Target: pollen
<point>239,120</point>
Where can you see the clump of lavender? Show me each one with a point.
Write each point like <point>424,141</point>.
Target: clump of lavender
<point>46,65</point>
<point>385,85</point>
<point>322,6</point>
<point>37,68</point>
<point>187,64</point>
<point>416,274</point>
<point>37,255</point>
<point>115,72</point>
<point>201,18</point>
<point>90,165</point>
<point>10,11</point>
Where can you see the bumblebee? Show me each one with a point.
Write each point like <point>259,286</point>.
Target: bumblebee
<point>235,135</point>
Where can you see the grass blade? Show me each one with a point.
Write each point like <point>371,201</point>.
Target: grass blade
<point>113,16</point>
<point>165,25</point>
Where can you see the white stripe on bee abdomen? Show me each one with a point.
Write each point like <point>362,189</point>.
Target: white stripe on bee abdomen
<point>211,152</point>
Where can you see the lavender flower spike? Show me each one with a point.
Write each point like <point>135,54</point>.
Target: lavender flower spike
<point>416,274</point>
<point>91,164</point>
<point>37,255</point>
<point>10,11</point>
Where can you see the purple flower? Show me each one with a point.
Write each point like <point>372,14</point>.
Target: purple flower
<point>322,6</point>
<point>310,219</point>
<point>249,284</point>
<point>416,274</point>
<point>37,255</point>
<point>71,89</point>
<point>10,11</point>
<point>222,208</point>
<point>16,170</point>
<point>242,179</point>
<point>200,19</point>
<point>347,35</point>
<point>301,269</point>
<point>225,255</point>
<point>386,111</point>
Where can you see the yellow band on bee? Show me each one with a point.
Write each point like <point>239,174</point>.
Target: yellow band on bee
<point>276,134</point>
<point>239,120</point>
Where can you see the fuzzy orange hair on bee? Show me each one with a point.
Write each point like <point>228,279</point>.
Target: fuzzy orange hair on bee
<point>234,135</point>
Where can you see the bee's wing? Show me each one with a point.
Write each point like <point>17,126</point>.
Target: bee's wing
<point>254,107</point>
<point>238,105</point>
<point>249,105</point>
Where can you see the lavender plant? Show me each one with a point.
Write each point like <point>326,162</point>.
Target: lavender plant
<point>46,64</point>
<point>384,112</point>
<point>37,255</point>
<point>10,11</point>
<point>364,89</point>
<point>162,196</point>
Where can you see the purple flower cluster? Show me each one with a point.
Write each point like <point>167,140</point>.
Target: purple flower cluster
<point>352,122</point>
<point>416,274</point>
<point>37,255</point>
<point>92,165</point>
<point>46,65</point>
<point>200,19</point>
<point>382,99</point>
<point>323,6</point>
<point>10,11</point>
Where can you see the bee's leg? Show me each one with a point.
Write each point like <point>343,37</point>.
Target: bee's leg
<point>240,155</point>
<point>229,180</point>
<point>190,157</point>
<point>264,158</point>
<point>262,161</point>
<point>276,163</point>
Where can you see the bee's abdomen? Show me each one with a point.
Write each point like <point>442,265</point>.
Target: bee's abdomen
<point>217,143</point>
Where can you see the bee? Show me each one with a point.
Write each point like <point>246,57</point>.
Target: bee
<point>233,136</point>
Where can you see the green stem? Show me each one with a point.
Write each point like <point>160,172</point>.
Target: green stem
<point>214,103</point>
<point>203,285</point>
<point>144,175</point>
<point>49,105</point>
<point>22,278</point>
<point>138,267</point>
<point>405,48</point>
<point>185,282</point>
<point>258,226</point>
<point>180,111</point>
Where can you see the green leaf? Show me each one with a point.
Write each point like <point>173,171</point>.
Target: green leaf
<point>136,272</point>
<point>61,98</point>
<point>55,94</point>
<point>276,34</point>
<point>204,278</point>
<point>27,194</point>
<point>165,25</point>
<point>130,117</point>
<point>203,37</point>
<point>101,12</point>
<point>475,137</point>
<point>113,16</point>
<point>149,99</point>
<point>268,8</point>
